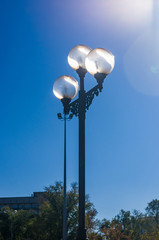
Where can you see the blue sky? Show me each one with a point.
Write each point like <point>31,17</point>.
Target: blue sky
<point>122,133</point>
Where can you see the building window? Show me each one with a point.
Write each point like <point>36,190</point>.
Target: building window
<point>27,206</point>
<point>21,206</point>
<point>15,206</point>
<point>35,206</point>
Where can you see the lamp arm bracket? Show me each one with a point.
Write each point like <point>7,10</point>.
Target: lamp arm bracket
<point>88,98</point>
<point>74,107</point>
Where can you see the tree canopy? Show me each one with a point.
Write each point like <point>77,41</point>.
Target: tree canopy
<point>47,225</point>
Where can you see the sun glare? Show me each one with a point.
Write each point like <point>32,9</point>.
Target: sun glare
<point>141,63</point>
<point>124,12</point>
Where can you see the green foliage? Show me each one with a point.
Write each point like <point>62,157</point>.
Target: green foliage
<point>94,236</point>
<point>135,226</point>
<point>22,221</point>
<point>47,225</point>
<point>1,237</point>
<point>52,212</point>
<point>114,232</point>
<point>5,223</point>
<point>19,222</point>
<point>152,210</point>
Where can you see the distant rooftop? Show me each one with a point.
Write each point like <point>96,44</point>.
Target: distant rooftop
<point>31,202</point>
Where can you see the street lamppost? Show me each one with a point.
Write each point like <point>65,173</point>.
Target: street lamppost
<point>65,88</point>
<point>99,63</point>
<point>64,118</point>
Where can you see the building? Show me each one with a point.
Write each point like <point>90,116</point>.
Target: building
<point>32,202</point>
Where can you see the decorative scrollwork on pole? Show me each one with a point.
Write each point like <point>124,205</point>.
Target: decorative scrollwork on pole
<point>74,107</point>
<point>88,98</point>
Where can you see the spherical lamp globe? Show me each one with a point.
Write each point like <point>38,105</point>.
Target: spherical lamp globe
<point>65,87</point>
<point>100,61</point>
<point>77,56</point>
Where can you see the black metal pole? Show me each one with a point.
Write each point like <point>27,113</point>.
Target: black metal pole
<point>64,199</point>
<point>81,230</point>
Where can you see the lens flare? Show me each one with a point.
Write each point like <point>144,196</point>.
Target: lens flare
<point>141,63</point>
<point>123,13</point>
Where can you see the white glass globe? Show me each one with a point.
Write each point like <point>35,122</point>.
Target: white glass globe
<point>77,56</point>
<point>100,60</point>
<point>65,87</point>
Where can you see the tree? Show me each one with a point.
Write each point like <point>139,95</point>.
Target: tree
<point>20,222</point>
<point>50,218</point>
<point>152,210</point>
<point>1,237</point>
<point>48,223</point>
<point>5,223</point>
<point>124,218</point>
<point>94,236</point>
<point>153,235</point>
<point>137,225</point>
<point>124,226</point>
<point>114,232</point>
